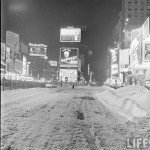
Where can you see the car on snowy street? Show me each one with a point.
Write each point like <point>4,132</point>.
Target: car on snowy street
<point>147,84</point>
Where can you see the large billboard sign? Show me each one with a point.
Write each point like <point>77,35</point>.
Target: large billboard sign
<point>37,49</point>
<point>12,40</point>
<point>68,57</point>
<point>68,75</point>
<point>70,34</point>
<point>124,60</point>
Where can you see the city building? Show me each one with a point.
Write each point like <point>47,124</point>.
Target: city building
<point>134,13</point>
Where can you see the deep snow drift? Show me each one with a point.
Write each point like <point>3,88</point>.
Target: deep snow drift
<point>130,101</point>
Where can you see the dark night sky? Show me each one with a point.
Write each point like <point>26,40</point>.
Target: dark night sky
<point>39,21</point>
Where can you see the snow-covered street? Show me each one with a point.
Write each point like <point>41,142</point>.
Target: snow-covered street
<point>67,119</point>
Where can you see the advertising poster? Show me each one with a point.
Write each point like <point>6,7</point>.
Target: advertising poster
<point>37,49</point>
<point>68,75</point>
<point>124,60</point>
<point>68,57</point>
<point>12,40</point>
<point>24,48</point>
<point>146,51</point>
<point>70,35</point>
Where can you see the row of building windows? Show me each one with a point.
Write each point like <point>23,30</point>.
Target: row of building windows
<point>137,14</point>
<point>136,7</point>
<point>137,1</point>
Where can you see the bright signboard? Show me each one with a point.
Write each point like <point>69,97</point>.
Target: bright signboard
<point>12,40</point>
<point>70,34</point>
<point>68,57</point>
<point>124,60</point>
<point>37,49</point>
<point>68,75</point>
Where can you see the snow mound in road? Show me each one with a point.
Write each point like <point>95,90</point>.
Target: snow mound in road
<point>130,101</point>
<point>107,87</point>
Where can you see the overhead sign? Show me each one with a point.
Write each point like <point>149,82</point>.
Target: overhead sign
<point>68,75</point>
<point>70,34</point>
<point>68,57</point>
<point>37,49</point>
<point>12,40</point>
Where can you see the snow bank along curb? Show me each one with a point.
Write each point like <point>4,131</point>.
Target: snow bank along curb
<point>126,101</point>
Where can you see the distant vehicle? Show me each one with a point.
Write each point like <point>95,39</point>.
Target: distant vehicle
<point>49,84</point>
<point>114,82</point>
<point>147,84</point>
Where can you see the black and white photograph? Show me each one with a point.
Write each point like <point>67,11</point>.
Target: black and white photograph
<point>75,75</point>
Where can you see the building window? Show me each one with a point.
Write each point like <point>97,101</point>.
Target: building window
<point>142,1</point>
<point>129,15</point>
<point>129,7</point>
<point>136,1</point>
<point>142,7</point>
<point>135,14</point>
<point>136,7</point>
<point>148,13</point>
<point>142,14</point>
<point>130,1</point>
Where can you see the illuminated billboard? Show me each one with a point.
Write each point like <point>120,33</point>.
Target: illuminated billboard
<point>37,49</point>
<point>68,57</point>
<point>124,60</point>
<point>68,75</point>
<point>70,34</point>
<point>12,40</point>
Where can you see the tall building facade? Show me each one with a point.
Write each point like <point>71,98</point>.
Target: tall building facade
<point>134,14</point>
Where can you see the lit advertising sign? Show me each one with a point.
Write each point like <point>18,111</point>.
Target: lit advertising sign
<point>12,40</point>
<point>146,29</point>
<point>69,57</point>
<point>24,48</point>
<point>115,56</point>
<point>135,33</point>
<point>70,34</point>
<point>68,75</point>
<point>135,51</point>
<point>37,49</point>
<point>53,63</point>
<point>3,51</point>
<point>124,60</point>
<point>18,66</point>
<point>24,69</point>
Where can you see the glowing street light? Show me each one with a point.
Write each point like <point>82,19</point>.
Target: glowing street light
<point>127,19</point>
<point>45,57</point>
